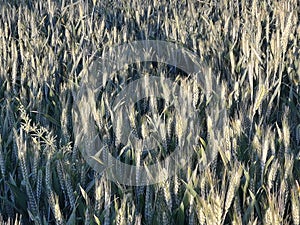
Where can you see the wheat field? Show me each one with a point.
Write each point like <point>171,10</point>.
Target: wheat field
<point>251,47</point>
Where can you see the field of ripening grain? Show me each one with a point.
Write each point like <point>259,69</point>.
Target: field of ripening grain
<point>251,48</point>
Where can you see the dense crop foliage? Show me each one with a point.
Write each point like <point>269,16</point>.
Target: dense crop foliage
<point>253,49</point>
